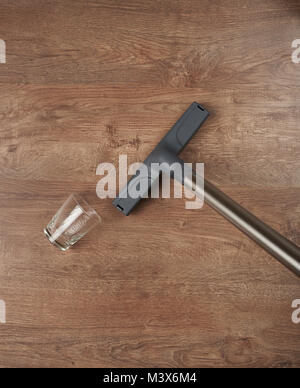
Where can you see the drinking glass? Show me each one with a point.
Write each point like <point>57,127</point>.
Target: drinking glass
<point>72,221</point>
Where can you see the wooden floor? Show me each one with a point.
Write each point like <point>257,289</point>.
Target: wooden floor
<point>86,81</point>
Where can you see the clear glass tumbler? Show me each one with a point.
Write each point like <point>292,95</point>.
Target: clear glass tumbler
<point>72,221</point>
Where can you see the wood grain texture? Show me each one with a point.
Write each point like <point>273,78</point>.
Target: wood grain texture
<point>86,81</point>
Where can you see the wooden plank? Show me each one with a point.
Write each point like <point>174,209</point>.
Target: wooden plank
<point>166,287</point>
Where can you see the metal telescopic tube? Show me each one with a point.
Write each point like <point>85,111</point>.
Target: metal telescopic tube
<point>278,246</point>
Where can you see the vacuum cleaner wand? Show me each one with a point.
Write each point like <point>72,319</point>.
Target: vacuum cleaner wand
<point>166,152</point>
